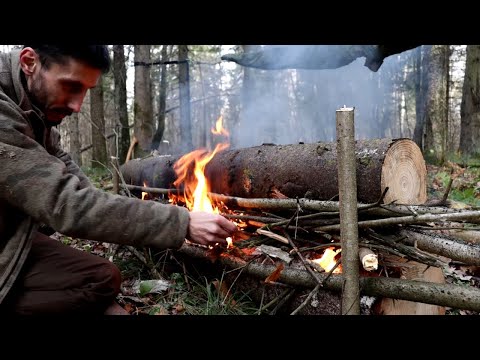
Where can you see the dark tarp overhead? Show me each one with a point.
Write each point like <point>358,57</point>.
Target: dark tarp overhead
<point>316,56</point>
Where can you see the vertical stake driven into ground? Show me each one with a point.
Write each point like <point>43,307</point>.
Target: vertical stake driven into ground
<point>347,192</point>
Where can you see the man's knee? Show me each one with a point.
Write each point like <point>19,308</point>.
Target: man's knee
<point>110,277</point>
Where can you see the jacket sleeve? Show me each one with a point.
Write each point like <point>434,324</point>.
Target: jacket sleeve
<point>72,167</point>
<point>40,185</point>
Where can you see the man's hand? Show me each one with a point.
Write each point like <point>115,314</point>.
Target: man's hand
<point>208,229</point>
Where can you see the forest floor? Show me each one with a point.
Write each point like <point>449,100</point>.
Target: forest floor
<point>464,193</point>
<point>163,284</point>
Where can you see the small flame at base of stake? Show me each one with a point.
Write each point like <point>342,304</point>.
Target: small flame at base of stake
<point>144,194</point>
<point>327,261</point>
<point>196,187</point>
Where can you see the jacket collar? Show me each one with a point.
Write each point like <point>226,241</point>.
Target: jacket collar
<point>19,86</point>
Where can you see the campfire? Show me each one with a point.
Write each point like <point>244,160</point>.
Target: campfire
<point>284,200</point>
<point>193,191</point>
<point>190,170</point>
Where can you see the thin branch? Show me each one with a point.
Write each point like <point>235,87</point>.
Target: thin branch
<point>407,220</point>
<point>305,302</point>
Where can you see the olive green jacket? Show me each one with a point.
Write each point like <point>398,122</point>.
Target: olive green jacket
<point>39,183</point>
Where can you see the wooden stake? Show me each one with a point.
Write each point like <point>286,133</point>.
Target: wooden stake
<point>347,191</point>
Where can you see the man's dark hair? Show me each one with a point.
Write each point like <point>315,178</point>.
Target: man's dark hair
<point>96,56</point>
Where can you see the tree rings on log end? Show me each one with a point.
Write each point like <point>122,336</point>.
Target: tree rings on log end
<point>405,173</point>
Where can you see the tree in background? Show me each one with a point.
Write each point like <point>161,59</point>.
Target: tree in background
<point>73,134</point>
<point>186,144</point>
<point>162,100</point>
<point>283,106</point>
<point>470,107</point>
<point>99,144</point>
<point>437,100</point>
<point>120,83</point>
<point>142,103</point>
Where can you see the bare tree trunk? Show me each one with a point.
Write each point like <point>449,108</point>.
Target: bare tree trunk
<point>437,103</point>
<point>247,98</point>
<point>99,153</point>
<point>162,100</point>
<point>120,78</point>
<point>470,108</point>
<point>142,104</point>
<point>184,88</point>
<point>419,98</point>
<point>202,128</point>
<point>74,136</point>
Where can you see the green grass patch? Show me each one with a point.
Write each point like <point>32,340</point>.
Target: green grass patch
<point>465,187</point>
<point>207,298</point>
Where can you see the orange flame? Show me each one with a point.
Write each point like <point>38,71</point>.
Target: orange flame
<point>196,187</point>
<point>327,261</point>
<point>144,194</point>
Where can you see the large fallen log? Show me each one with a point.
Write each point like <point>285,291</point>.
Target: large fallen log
<point>301,170</point>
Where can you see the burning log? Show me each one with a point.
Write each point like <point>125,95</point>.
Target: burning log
<point>301,171</point>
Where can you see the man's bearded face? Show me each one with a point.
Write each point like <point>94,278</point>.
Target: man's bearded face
<point>60,90</point>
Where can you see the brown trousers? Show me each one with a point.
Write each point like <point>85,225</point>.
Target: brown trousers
<point>57,278</point>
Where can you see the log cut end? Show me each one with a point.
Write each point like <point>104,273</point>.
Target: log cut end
<point>404,173</point>
<point>411,270</point>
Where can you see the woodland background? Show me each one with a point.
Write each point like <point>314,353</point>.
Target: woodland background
<point>168,97</point>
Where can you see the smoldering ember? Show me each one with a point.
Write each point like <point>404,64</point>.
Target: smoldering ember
<point>284,199</point>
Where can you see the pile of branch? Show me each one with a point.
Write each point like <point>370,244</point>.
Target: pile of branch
<point>276,194</point>
<point>301,229</point>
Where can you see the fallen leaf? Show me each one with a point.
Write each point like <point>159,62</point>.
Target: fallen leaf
<point>273,277</point>
<point>222,289</point>
<point>151,287</point>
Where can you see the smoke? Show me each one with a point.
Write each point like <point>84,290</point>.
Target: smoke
<point>285,105</point>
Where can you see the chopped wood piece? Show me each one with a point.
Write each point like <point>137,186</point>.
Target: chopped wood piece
<point>368,259</point>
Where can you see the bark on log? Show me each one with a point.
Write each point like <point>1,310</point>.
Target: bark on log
<point>154,171</point>
<point>310,170</point>
<point>468,216</point>
<point>302,170</point>
<point>457,231</point>
<point>442,245</point>
<point>386,211</point>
